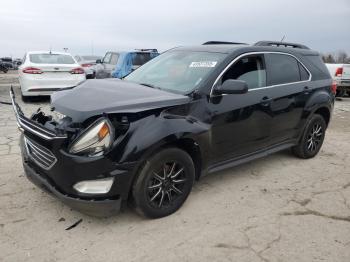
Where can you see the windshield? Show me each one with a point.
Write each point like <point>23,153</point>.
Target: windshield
<point>178,71</point>
<point>51,59</point>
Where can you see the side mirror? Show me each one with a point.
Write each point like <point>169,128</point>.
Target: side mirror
<point>231,86</point>
<point>98,61</point>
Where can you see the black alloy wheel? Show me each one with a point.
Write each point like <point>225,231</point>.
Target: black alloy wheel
<point>312,138</point>
<point>164,183</point>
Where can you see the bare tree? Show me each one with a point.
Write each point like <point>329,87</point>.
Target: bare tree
<point>342,57</point>
<point>328,58</point>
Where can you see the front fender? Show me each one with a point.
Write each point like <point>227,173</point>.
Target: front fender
<point>146,135</point>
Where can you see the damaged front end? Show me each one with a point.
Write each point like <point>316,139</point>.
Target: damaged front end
<point>73,161</point>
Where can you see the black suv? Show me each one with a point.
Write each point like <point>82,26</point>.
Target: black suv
<point>186,113</point>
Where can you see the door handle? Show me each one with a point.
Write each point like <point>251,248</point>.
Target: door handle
<point>265,101</point>
<point>306,90</point>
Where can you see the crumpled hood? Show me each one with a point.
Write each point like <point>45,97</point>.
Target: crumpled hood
<point>97,96</point>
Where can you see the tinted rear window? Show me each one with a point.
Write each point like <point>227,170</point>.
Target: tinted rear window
<point>141,58</point>
<point>51,59</point>
<point>282,69</point>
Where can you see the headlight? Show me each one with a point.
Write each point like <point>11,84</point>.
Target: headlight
<point>95,139</point>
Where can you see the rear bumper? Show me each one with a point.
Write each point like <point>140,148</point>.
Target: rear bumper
<point>100,208</point>
<point>343,83</point>
<point>35,87</point>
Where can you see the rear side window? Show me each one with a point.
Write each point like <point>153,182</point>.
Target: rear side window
<point>250,69</point>
<point>114,59</point>
<point>51,59</point>
<point>141,58</point>
<point>282,69</point>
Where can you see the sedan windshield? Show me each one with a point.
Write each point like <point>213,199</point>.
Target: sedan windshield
<point>178,71</point>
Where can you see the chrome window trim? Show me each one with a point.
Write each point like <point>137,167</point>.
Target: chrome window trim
<point>260,53</point>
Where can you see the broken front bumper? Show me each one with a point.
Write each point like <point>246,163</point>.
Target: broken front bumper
<point>100,208</point>
<point>48,165</point>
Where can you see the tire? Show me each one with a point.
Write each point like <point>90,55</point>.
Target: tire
<point>340,93</point>
<point>25,99</point>
<point>312,138</point>
<point>164,183</point>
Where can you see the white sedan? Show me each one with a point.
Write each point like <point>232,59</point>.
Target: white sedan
<point>42,73</point>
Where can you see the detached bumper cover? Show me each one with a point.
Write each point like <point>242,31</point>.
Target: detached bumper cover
<point>100,208</point>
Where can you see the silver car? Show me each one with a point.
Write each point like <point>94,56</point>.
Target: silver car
<point>88,62</point>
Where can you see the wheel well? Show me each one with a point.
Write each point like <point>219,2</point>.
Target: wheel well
<point>191,148</point>
<point>324,112</point>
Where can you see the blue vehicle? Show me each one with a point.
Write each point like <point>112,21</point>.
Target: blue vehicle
<point>120,64</point>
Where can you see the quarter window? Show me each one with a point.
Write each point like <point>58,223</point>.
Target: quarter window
<point>304,75</point>
<point>250,69</point>
<point>282,69</point>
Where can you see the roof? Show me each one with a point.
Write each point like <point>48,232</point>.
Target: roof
<point>222,48</point>
<point>48,52</point>
<point>230,48</point>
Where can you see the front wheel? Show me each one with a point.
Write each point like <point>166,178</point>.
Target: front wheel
<point>164,183</point>
<point>312,139</point>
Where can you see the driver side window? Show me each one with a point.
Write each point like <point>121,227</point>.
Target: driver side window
<point>107,58</point>
<point>250,69</point>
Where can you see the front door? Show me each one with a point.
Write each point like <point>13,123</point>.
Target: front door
<point>241,123</point>
<point>108,64</point>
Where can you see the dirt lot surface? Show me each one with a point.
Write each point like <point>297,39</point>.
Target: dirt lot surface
<point>278,208</point>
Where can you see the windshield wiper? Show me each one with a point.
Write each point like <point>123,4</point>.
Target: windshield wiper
<point>149,85</point>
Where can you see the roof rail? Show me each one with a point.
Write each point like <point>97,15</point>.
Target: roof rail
<point>147,50</point>
<point>222,43</point>
<point>280,44</point>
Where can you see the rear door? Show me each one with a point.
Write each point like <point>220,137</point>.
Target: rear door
<point>288,82</point>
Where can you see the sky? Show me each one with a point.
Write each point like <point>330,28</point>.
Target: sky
<point>94,27</point>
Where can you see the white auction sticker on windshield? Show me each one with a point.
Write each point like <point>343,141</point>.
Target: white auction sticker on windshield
<point>204,64</point>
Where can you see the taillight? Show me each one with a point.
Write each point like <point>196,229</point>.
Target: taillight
<point>86,65</point>
<point>339,71</point>
<point>334,87</point>
<point>77,70</point>
<point>32,70</point>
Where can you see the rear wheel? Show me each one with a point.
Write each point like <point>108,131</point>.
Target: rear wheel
<point>312,139</point>
<point>340,93</point>
<point>25,98</point>
<point>164,183</point>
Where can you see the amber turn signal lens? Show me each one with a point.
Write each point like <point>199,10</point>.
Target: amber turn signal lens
<point>103,131</point>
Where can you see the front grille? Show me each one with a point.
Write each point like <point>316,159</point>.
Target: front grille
<point>39,154</point>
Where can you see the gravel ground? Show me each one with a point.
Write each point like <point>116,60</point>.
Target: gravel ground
<point>278,208</point>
